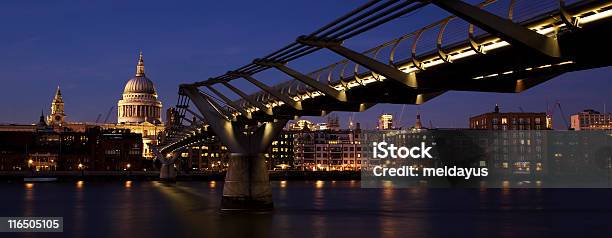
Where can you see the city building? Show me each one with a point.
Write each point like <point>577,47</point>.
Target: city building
<point>281,155</point>
<point>328,149</point>
<point>57,116</point>
<point>139,111</point>
<point>333,123</point>
<point>116,149</point>
<point>591,120</point>
<point>139,102</point>
<point>300,125</point>
<point>46,149</point>
<point>208,155</point>
<point>385,122</point>
<point>417,122</point>
<point>511,155</point>
<point>497,120</point>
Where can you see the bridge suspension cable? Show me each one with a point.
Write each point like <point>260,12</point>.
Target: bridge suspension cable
<point>359,20</point>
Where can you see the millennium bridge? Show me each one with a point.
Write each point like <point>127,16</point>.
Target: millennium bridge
<point>493,46</point>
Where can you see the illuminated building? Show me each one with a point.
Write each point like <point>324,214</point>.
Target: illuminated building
<point>138,110</point>
<point>281,155</point>
<point>591,120</point>
<point>300,125</point>
<point>497,120</point>
<point>385,122</point>
<point>328,149</point>
<point>417,123</point>
<point>139,102</point>
<point>57,116</point>
<point>212,156</point>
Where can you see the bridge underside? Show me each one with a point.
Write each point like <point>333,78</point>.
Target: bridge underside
<point>510,69</point>
<point>249,125</point>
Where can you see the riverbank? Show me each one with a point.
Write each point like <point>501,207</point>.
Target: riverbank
<point>19,176</point>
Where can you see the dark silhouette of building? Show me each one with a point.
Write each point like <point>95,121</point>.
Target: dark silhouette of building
<point>46,149</point>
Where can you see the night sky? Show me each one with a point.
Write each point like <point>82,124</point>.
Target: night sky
<point>90,49</point>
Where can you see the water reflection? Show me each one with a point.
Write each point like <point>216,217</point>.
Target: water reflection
<point>80,184</point>
<point>309,209</point>
<point>29,186</point>
<point>354,184</point>
<point>79,210</point>
<point>125,210</point>
<point>319,184</point>
<point>319,195</point>
<point>29,199</point>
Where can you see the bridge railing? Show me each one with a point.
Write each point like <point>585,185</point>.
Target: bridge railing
<point>427,46</point>
<point>437,43</point>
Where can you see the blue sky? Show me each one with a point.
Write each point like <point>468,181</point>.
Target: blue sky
<point>90,49</point>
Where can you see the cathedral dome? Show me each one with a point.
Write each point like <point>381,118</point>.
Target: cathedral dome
<point>140,84</point>
<point>139,102</point>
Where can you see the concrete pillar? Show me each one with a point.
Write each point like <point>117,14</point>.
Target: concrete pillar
<point>167,173</point>
<point>247,185</point>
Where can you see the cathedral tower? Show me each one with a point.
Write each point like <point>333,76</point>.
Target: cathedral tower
<point>57,116</point>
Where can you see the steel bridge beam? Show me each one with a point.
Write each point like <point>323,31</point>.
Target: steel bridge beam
<point>282,97</point>
<point>200,117</point>
<point>324,88</point>
<point>374,65</point>
<point>230,102</point>
<point>503,28</point>
<point>220,124</point>
<point>249,99</point>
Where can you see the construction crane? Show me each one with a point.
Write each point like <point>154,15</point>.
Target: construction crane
<point>108,114</point>
<point>563,115</point>
<point>399,120</point>
<point>551,112</point>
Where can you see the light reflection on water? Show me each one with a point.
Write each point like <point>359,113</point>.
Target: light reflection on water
<point>309,209</point>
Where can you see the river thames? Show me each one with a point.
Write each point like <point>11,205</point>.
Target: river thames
<point>309,209</point>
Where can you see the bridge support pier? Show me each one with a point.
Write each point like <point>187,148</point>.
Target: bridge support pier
<point>167,173</point>
<point>247,185</point>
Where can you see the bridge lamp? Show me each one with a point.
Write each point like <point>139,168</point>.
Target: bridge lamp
<point>80,166</point>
